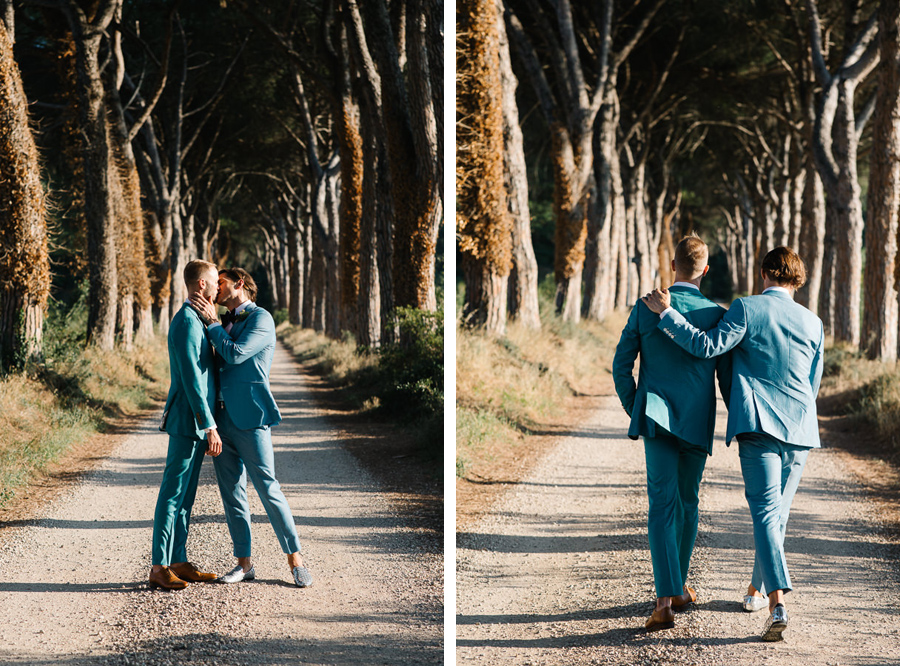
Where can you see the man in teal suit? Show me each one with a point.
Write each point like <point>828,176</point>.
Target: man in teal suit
<point>777,348</point>
<point>673,407</point>
<point>188,419</point>
<point>245,411</point>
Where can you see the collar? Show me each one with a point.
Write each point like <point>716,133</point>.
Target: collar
<point>782,290</point>
<point>689,285</point>
<point>243,306</point>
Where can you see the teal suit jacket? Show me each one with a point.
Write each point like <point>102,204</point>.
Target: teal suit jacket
<point>776,348</point>
<point>674,390</point>
<point>244,358</point>
<point>192,393</point>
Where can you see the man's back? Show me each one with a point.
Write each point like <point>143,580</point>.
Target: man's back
<point>777,368</point>
<point>675,390</point>
<point>189,403</point>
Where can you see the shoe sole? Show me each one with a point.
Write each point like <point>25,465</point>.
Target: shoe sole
<point>775,632</point>
<point>157,586</point>
<point>660,626</point>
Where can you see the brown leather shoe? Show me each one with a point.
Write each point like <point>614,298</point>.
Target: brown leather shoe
<point>662,618</point>
<point>166,579</point>
<point>187,571</point>
<point>689,597</point>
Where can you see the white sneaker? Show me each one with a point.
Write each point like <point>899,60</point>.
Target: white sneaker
<point>753,603</point>
<point>237,574</point>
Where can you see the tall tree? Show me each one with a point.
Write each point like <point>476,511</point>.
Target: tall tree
<point>879,335</point>
<point>88,32</point>
<point>484,226</point>
<point>836,142</point>
<point>523,279</point>
<point>24,263</point>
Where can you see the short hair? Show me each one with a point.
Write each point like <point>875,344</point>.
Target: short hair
<point>196,269</point>
<point>237,273</point>
<point>785,267</point>
<point>691,256</point>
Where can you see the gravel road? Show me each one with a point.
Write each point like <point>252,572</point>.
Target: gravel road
<point>73,585</point>
<point>559,571</point>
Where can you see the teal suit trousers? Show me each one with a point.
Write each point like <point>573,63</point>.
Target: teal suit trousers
<point>771,471</point>
<point>249,453</point>
<point>172,517</point>
<point>674,471</point>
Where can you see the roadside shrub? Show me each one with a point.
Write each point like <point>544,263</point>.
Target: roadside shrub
<point>879,406</point>
<point>402,382</point>
<point>412,369</point>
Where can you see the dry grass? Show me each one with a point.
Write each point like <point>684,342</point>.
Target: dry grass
<point>506,387</point>
<point>335,359</point>
<point>869,391</point>
<point>50,408</point>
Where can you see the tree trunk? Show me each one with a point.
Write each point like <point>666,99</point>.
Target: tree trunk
<point>24,264</point>
<point>351,149</point>
<point>523,279</point>
<point>295,273</point>
<point>844,199</point>
<point>569,207</point>
<point>98,211</point>
<point>309,277</point>
<point>835,143</point>
<point>410,132</point>
<point>600,267</point>
<point>879,335</point>
<point>812,236</point>
<point>484,229</point>
<point>829,258</point>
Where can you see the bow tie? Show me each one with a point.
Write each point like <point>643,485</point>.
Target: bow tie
<point>228,318</point>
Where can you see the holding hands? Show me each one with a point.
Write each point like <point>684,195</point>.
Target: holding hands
<point>658,300</point>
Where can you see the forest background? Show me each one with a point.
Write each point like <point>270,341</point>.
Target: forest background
<point>592,136</point>
<point>300,140</point>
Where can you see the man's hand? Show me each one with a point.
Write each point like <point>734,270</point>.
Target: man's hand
<point>213,443</point>
<point>658,300</point>
<point>204,308</point>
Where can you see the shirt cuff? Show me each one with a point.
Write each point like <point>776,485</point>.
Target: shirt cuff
<point>215,323</point>
<point>210,429</point>
<point>666,311</point>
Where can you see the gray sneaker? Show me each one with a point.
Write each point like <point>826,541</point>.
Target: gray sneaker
<point>776,624</point>
<point>753,603</point>
<point>302,577</point>
<point>237,574</point>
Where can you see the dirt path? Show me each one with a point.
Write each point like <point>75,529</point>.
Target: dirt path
<point>73,590</point>
<point>558,572</point>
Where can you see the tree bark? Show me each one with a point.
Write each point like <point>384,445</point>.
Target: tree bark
<point>24,264</point>
<point>812,236</point>
<point>879,335</point>
<point>98,211</point>
<point>484,225</point>
<point>522,289</point>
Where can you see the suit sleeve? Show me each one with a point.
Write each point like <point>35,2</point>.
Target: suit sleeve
<point>815,371</point>
<point>623,362</point>
<point>254,337</point>
<point>723,375</point>
<point>187,356</point>
<point>707,344</point>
